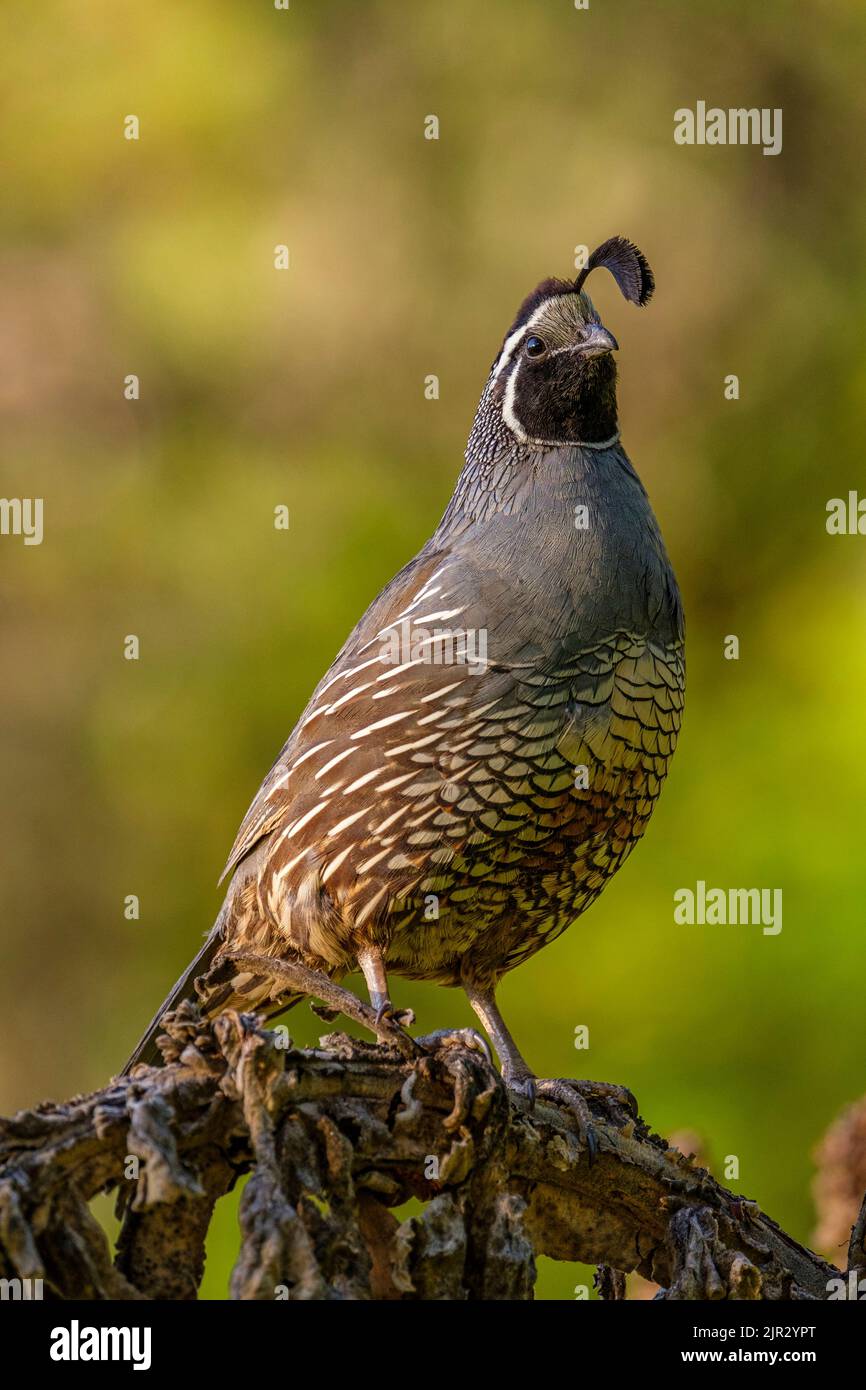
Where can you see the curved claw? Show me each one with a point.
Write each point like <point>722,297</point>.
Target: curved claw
<point>608,1091</point>
<point>521,1086</point>
<point>591,1145</point>
<point>604,1091</point>
<point>465,1036</point>
<point>403,1018</point>
<point>569,1096</point>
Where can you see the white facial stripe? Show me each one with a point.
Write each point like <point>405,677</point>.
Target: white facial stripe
<point>509,414</point>
<point>571,347</point>
<point>511,342</point>
<point>574,444</point>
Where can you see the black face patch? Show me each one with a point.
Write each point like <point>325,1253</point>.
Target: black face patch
<point>562,398</point>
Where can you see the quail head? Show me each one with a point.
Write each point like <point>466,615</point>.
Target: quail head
<point>487,747</point>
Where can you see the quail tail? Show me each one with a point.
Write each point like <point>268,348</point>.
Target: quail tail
<point>184,988</point>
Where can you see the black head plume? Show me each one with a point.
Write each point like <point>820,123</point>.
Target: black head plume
<point>628,266</point>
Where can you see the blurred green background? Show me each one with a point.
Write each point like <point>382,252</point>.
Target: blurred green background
<point>306,388</point>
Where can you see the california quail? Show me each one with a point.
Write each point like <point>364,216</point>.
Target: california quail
<point>488,746</point>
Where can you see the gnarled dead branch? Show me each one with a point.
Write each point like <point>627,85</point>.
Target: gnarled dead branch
<point>335,1139</point>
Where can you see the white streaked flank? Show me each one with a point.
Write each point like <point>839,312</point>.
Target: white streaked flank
<point>336,759</point>
<point>362,781</point>
<point>335,863</point>
<point>309,753</point>
<point>382,723</point>
<point>305,819</point>
<point>349,820</point>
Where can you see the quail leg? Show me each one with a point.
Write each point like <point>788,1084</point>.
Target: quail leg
<point>515,1072</point>
<point>372,964</point>
<point>518,1077</point>
<point>301,980</point>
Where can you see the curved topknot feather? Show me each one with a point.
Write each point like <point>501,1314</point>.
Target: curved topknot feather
<point>628,266</point>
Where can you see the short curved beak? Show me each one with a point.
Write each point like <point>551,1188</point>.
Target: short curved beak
<point>596,342</point>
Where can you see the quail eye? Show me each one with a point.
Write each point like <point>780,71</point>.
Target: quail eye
<point>534,347</point>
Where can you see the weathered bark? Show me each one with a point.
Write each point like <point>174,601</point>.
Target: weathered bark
<point>337,1137</point>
